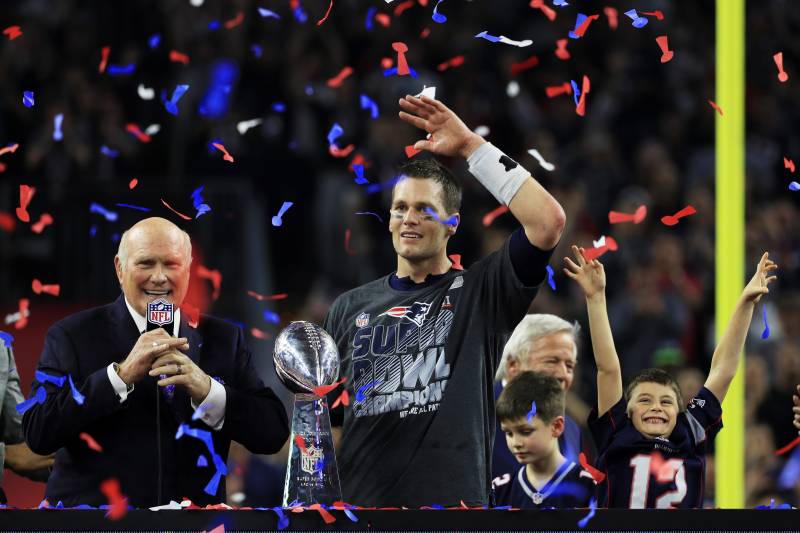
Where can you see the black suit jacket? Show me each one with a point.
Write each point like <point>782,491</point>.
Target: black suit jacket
<point>83,345</point>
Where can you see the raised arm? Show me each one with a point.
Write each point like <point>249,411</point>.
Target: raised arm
<point>540,214</point>
<point>591,277</point>
<point>725,361</point>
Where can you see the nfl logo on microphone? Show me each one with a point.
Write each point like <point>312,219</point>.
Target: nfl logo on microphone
<point>159,312</point>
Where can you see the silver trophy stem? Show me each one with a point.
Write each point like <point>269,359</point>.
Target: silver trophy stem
<point>311,474</point>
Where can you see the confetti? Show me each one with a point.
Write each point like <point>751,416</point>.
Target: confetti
<point>560,3</point>
<point>328,12</point>
<point>788,164</point>
<point>205,437</point>
<point>133,183</point>
<point>615,217</point>
<point>121,70</point>
<point>362,390</point>
<point>794,186</point>
<point>666,53</point>
<point>657,14</point>
<point>550,280</point>
<point>347,248</point>
<point>25,196</point>
<point>76,394</point>
<point>27,98</point>
<point>716,107</point>
<point>542,163</point>
<point>430,92</point>
<point>43,377</point>
<point>101,68</point>
<point>227,157</point>
<point>7,339</point>
<point>671,220</point>
<point>12,32</point>
<point>597,475</point>
<point>258,334</point>
<point>262,298</point>
<point>326,516</point>
<point>638,22</point>
<point>411,151</point>
<point>531,413</point>
<point>178,57</point>
<point>521,44</point>
<point>145,93</point>
<point>544,8</point>
<point>370,17</point>
<point>454,62</point>
<point>529,63</point>
<point>438,17</point>
<point>383,19</point>
<point>402,7</point>
<point>265,13</point>
<point>359,171</point>
<point>370,213</point>
<point>134,130</point>
<point>202,461</point>
<point>324,390</point>
<point>300,443</point>
<point>581,25</point>
<point>343,399</point>
<point>7,222</point>
<point>90,442</point>
<point>118,504</point>
<point>765,333</point>
<point>483,131</point>
<point>11,148</point>
<point>456,259</point>
<point>171,105</point>
<point>197,201</point>
<point>276,220</point>
<point>580,96</point>
<point>154,41</point>
<point>336,81</point>
<point>485,35</point>
<point>110,216</point>
<point>592,510</point>
<point>368,103</point>
<point>612,16</point>
<point>235,21</point>
<point>39,288</point>
<point>20,318</point>
<point>788,447</point>
<point>489,217</point>
<point>109,152</point>
<point>595,252</point>
<point>57,120</point>
<point>558,90</point>
<point>214,276</point>
<point>38,397</point>
<point>452,221</point>
<point>782,75</point>
<point>245,125</point>
<point>283,521</point>
<point>184,217</point>
<point>561,49</point>
<point>271,317</point>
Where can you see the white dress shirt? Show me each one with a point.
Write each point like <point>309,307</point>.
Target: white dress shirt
<point>212,408</point>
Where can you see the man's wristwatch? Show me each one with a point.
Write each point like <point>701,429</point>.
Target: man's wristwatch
<point>116,369</point>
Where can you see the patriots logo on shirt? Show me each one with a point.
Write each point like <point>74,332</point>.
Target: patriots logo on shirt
<point>698,401</point>
<point>415,312</point>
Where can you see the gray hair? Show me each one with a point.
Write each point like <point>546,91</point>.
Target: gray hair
<point>122,251</point>
<point>531,328</point>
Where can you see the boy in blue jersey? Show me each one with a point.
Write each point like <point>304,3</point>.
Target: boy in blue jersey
<point>650,448</point>
<point>531,414</point>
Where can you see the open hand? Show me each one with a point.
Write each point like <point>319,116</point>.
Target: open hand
<point>449,135</point>
<point>758,285</point>
<point>590,275</point>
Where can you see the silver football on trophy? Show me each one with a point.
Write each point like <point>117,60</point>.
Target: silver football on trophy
<point>305,357</point>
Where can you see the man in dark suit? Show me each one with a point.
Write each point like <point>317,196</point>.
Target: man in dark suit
<point>123,373</point>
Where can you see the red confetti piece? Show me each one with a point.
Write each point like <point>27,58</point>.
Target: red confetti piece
<point>184,217</point>
<point>715,106</point>
<point>335,151</point>
<point>615,217</point>
<point>411,151</point>
<point>2,167</point>
<point>657,14</point>
<point>456,259</point>
<point>133,183</point>
<point>529,63</point>
<point>9,149</point>
<point>424,33</point>
<point>39,288</point>
<point>137,132</point>
<point>336,81</point>
<point>489,217</point>
<point>343,399</point>
<point>12,32</point>
<point>358,159</point>
<point>547,10</point>
<point>118,504</point>
<point>214,276</point>
<point>192,314</point>
<point>597,475</point>
<point>178,57</point>
<point>387,62</point>
<point>454,62</point>
<point>782,75</point>
<point>666,53</point>
<point>323,390</point>
<point>788,447</point>
<point>25,196</point>
<point>593,253</point>
<point>581,109</point>
<point>347,243</point>
<point>328,12</point>
<point>383,19</point>
<point>7,222</point>
<point>402,7</point>
<point>22,321</point>
<point>258,334</point>
<point>103,59</point>
<point>580,31</point>
<point>611,15</point>
<point>226,156</point>
<point>561,49</point>
<point>44,220</point>
<point>300,443</point>
<point>326,515</point>
<point>261,297</point>
<point>402,64</point>
<point>90,442</point>
<point>788,163</point>
<point>671,220</point>
<point>235,21</point>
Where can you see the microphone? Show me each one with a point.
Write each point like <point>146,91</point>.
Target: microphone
<point>160,315</point>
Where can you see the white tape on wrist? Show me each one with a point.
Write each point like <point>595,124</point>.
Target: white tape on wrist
<point>501,175</point>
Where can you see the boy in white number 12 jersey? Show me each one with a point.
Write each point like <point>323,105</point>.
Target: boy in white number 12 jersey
<point>650,447</point>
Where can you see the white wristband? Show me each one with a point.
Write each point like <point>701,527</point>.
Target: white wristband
<point>500,174</point>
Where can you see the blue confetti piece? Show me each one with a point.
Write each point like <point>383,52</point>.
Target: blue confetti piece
<point>7,339</point>
<point>350,515</point>
<point>765,333</point>
<point>171,105</point>
<point>392,71</point>
<point>27,98</point>
<point>277,220</point>
<point>370,213</point>
<point>438,17</point>
<point>560,3</point>
<point>111,216</point>
<point>43,378</point>
<point>370,16</point>
<point>361,392</point>
<point>257,50</point>
<point>57,120</point>
<point>794,186</point>
<point>279,107</point>
<point>378,187</point>
<point>76,394</point>
<point>335,132</point>
<point>576,92</point>
<point>550,280</point>
<point>136,207</point>
<point>154,41</point>
<point>213,25</point>
<point>219,464</point>
<point>484,35</point>
<point>197,201</point>
<point>300,15</point>
<point>309,90</point>
<point>115,237</point>
<point>638,22</point>
<point>267,13</point>
<point>272,317</point>
<point>531,413</point>
<point>592,510</point>
<point>452,221</point>
<point>202,461</point>
<point>93,230</point>
<point>359,170</point>
<point>369,103</point>
<point>105,150</point>
<point>38,397</point>
<point>283,521</point>
<point>578,21</point>
<point>121,70</point>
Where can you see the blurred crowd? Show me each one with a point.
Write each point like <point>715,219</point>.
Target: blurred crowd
<point>647,139</point>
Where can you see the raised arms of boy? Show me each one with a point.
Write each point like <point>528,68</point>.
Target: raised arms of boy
<point>726,356</point>
<point>591,277</point>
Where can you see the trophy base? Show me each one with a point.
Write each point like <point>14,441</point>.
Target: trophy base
<point>311,474</point>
